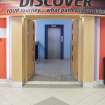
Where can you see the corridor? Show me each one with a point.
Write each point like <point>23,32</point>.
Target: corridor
<point>53,70</point>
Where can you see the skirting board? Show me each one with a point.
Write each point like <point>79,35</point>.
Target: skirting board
<point>88,85</point>
<point>16,84</point>
<point>9,83</point>
<point>100,82</point>
<point>94,84</point>
<point>4,83</point>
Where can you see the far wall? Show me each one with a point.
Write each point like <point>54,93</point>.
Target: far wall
<point>40,35</point>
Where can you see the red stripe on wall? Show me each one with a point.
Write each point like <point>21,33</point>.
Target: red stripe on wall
<point>2,22</point>
<point>102,46</point>
<point>2,58</point>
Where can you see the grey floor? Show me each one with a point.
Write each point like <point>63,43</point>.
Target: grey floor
<point>53,70</point>
<point>52,96</point>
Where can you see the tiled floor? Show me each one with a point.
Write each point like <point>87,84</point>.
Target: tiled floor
<point>52,96</point>
<point>53,73</point>
<point>53,70</point>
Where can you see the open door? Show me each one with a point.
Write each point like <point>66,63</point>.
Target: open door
<point>74,62</point>
<point>29,30</point>
<point>31,48</point>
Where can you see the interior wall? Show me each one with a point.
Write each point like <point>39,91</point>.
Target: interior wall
<point>3,60</point>
<point>40,33</point>
<point>102,46</point>
<point>3,26</point>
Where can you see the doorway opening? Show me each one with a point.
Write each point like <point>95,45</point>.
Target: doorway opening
<point>56,46</point>
<point>53,48</point>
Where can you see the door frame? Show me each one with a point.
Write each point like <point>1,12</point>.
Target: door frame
<point>47,26</point>
<point>85,41</point>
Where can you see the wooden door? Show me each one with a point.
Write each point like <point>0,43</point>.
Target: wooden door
<point>74,62</point>
<point>2,58</point>
<point>29,48</point>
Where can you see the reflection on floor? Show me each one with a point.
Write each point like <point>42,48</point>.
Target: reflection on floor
<point>53,70</point>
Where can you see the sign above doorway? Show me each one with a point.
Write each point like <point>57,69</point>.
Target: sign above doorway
<point>31,7</point>
<point>38,3</point>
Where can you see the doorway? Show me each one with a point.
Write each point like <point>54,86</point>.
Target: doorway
<point>85,58</point>
<point>56,66</point>
<point>54,47</point>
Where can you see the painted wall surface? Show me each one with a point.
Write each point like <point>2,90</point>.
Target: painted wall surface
<point>2,58</point>
<point>102,46</point>
<point>40,35</point>
<point>2,48</point>
<point>2,27</point>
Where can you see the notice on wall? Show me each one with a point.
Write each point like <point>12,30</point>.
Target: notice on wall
<point>27,7</point>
